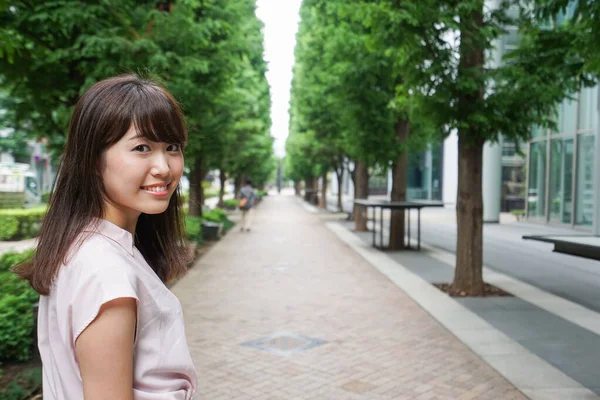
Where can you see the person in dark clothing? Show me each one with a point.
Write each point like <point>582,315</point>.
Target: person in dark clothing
<point>247,201</point>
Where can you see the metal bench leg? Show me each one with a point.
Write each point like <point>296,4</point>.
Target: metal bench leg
<point>409,244</point>
<point>419,229</point>
<point>381,227</point>
<point>373,220</point>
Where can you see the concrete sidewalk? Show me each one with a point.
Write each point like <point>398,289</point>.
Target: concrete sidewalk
<point>290,311</point>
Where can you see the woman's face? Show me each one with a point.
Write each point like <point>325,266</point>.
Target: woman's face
<point>140,176</point>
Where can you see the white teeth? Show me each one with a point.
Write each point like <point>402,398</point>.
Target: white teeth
<point>157,189</point>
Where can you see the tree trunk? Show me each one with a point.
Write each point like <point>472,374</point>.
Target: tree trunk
<point>469,206</point>
<point>339,173</point>
<point>297,188</point>
<point>196,191</point>
<point>222,179</point>
<point>361,191</point>
<point>397,228</point>
<point>237,186</point>
<point>308,187</point>
<point>323,199</point>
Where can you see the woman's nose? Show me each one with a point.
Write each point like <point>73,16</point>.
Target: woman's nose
<point>160,165</point>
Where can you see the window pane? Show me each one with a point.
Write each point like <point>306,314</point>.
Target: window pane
<point>511,37</point>
<point>537,131</point>
<point>588,109</point>
<point>561,179</point>
<point>536,194</point>
<point>584,208</point>
<point>567,116</point>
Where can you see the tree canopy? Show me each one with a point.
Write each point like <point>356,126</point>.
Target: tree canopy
<point>208,53</point>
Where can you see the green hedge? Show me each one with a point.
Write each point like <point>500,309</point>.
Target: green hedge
<point>219,215</point>
<point>210,192</point>
<point>16,310</point>
<point>230,204</point>
<point>18,224</point>
<point>193,229</point>
<point>12,200</point>
<point>10,258</point>
<point>46,197</point>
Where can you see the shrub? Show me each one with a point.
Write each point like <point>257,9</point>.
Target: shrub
<point>46,197</point>
<point>16,310</point>
<point>8,259</point>
<point>193,229</point>
<point>210,192</point>
<point>16,224</point>
<point>26,383</point>
<point>185,196</point>
<point>12,200</point>
<point>216,215</point>
<point>16,325</point>
<point>230,204</point>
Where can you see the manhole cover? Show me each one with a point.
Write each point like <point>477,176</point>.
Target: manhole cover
<point>284,343</point>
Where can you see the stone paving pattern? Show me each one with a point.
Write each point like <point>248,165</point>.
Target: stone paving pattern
<point>291,284</point>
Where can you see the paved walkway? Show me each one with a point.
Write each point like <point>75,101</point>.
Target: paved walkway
<point>289,311</point>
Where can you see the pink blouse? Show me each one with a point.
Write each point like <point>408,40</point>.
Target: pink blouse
<point>107,266</point>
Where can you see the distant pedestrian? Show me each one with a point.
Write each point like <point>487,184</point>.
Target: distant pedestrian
<point>247,201</point>
<point>108,326</point>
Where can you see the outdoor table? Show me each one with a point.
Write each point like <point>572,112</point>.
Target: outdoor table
<point>396,205</point>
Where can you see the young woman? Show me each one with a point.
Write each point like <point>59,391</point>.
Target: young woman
<point>108,327</point>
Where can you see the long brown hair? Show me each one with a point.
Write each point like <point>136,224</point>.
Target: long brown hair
<point>101,118</point>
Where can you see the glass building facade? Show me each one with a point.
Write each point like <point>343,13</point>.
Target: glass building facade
<point>561,169</point>
<point>424,175</point>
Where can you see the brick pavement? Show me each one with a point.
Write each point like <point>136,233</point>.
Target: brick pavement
<point>289,285</point>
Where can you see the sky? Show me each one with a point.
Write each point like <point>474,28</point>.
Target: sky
<point>280,18</point>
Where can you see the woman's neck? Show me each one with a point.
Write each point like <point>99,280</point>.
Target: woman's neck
<point>123,219</point>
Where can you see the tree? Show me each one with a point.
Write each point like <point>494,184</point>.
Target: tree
<point>481,102</point>
<point>196,48</point>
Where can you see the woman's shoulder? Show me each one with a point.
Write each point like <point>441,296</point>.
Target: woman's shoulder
<point>92,251</point>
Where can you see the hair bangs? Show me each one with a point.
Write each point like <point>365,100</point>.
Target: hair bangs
<point>158,117</point>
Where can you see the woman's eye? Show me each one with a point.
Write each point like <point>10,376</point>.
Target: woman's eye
<point>142,148</point>
<point>174,147</point>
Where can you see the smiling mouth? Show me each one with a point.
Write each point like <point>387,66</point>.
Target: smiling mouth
<point>156,189</point>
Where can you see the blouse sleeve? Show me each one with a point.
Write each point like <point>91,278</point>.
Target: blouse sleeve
<point>95,286</point>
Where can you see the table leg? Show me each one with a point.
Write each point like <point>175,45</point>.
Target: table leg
<point>419,229</point>
<point>408,213</point>
<point>381,227</point>
<point>373,220</point>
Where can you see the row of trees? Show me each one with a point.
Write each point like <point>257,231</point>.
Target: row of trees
<point>208,53</point>
<point>375,80</point>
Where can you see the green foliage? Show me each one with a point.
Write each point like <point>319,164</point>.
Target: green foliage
<point>16,317</point>
<point>14,391</point>
<point>11,258</point>
<point>193,229</point>
<point>208,193</point>
<point>46,197</point>
<point>209,54</point>
<point>17,224</point>
<point>216,215</point>
<point>230,204</point>
<point>12,200</point>
<point>27,382</point>
<point>219,216</point>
